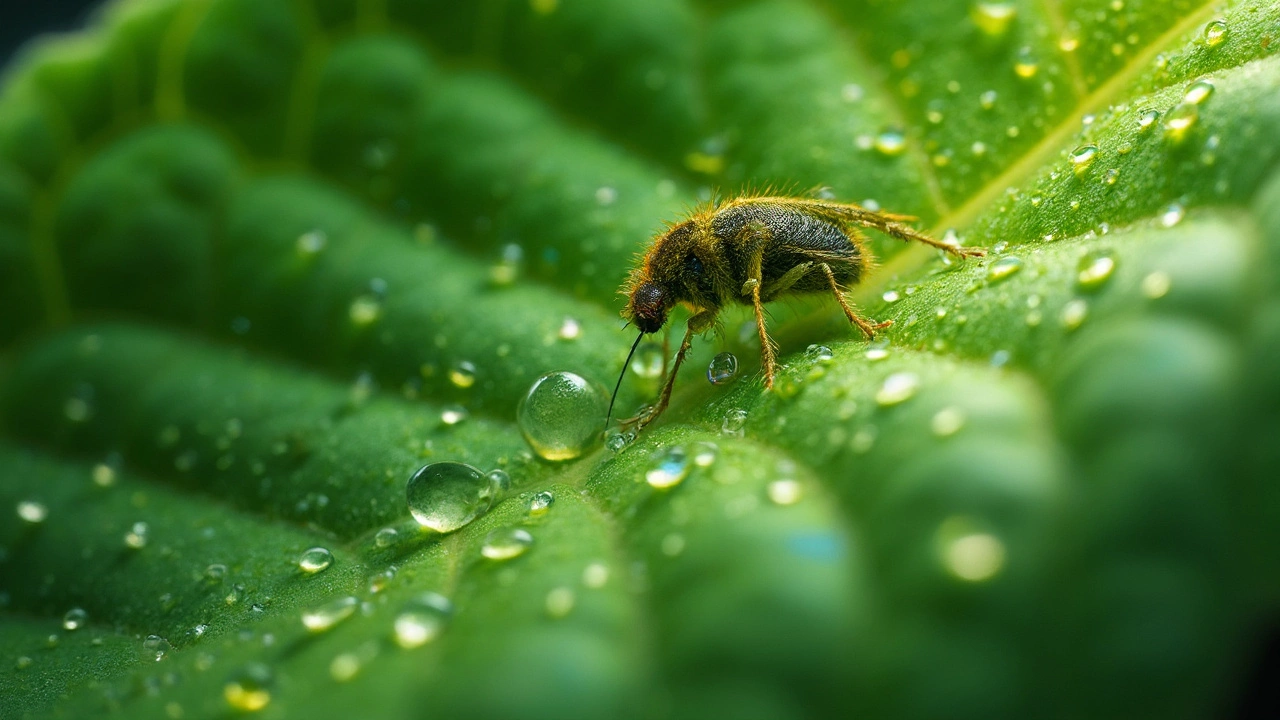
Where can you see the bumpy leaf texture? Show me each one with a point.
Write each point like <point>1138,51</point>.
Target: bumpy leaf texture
<point>257,261</point>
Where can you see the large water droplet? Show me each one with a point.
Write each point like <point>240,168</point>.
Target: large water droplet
<point>445,496</point>
<point>1082,157</point>
<point>505,543</point>
<point>670,468</point>
<point>313,560</point>
<point>329,614</point>
<point>249,689</point>
<point>422,620</point>
<point>1215,32</point>
<point>723,369</point>
<point>897,388</point>
<point>1004,268</point>
<point>561,415</point>
<point>1094,270</point>
<point>74,619</point>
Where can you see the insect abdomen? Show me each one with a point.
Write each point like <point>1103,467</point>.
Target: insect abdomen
<point>794,237</point>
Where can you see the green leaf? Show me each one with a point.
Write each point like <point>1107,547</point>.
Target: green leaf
<point>260,262</point>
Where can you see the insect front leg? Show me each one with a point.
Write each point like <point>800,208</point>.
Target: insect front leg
<point>698,323</point>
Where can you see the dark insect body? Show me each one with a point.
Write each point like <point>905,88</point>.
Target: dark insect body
<point>749,251</point>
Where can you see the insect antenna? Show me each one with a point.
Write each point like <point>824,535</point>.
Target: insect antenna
<point>621,375</point>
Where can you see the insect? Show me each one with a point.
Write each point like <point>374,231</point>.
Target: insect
<point>751,250</point>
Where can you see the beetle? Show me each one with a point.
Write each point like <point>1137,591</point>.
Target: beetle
<point>750,250</point>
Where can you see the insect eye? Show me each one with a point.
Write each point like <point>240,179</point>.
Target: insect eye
<point>693,264</point>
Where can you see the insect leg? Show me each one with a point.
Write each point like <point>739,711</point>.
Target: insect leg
<point>867,326</point>
<point>766,345</point>
<point>784,283</point>
<point>698,323</point>
<point>891,225</point>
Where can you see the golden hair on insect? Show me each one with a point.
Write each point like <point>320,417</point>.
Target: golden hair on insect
<point>750,250</point>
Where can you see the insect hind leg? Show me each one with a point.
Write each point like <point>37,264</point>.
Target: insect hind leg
<point>866,325</point>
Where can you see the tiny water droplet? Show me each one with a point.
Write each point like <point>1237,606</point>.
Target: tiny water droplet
<point>968,554</point>
<point>723,369</point>
<point>322,618</point>
<point>891,296</point>
<point>1074,313</point>
<point>890,142</point>
<point>310,243</point>
<point>422,620</point>
<point>1198,91</point>
<point>74,619</point>
<point>505,543</point>
<point>1156,285</point>
<point>987,100</point>
<point>561,415</point>
<point>1215,32</point>
<point>1147,119</point>
<point>1111,176</point>
<point>1004,268</point>
<point>500,481</point>
<point>154,648</point>
<point>1094,270</point>
<point>32,511</point>
<point>560,601</point>
<point>993,18</point>
<point>617,440</point>
<point>595,575</point>
<point>784,492</point>
<point>445,496</point>
<point>137,537</point>
<point>1172,215</point>
<point>734,423</point>
<point>386,537</point>
<point>365,310</point>
<point>670,467</point>
<point>249,689</point>
<point>570,329</point>
<point>453,414</point>
<point>1082,157</point>
<point>462,374</point>
<point>947,422</point>
<point>705,454</point>
<point>314,560</point>
<point>648,360</point>
<point>897,388</point>
<point>1179,121</point>
<point>1026,66</point>
<point>540,503</point>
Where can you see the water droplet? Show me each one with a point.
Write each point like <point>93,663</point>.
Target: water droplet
<point>987,100</point>
<point>154,648</point>
<point>344,667</point>
<point>891,142</point>
<point>947,422</point>
<point>819,354</point>
<point>310,243</point>
<point>784,492</point>
<point>445,496</point>
<point>897,388</point>
<point>1198,91</point>
<point>249,689</point>
<point>570,329</point>
<point>648,360</point>
<point>734,423</point>
<point>1172,215</point>
<point>1082,157</point>
<point>560,601</point>
<point>1094,270</point>
<point>1112,175</point>
<point>104,474</point>
<point>852,93</point>
<point>386,537</point>
<point>500,481</point>
<point>606,195</point>
<point>453,414</point>
<point>137,537</point>
<point>422,620</point>
<point>462,374</point>
<point>705,454</point>
<point>315,559</point>
<point>32,511</point>
<point>1179,121</point>
<point>1074,313</point>
<point>1156,285</point>
<point>561,415</point>
<point>616,440</point>
<point>1215,32</point>
<point>1026,66</point>
<point>1004,268</point>
<point>877,352</point>
<point>505,543</point>
<point>1147,119</point>
<point>671,467</point>
<point>365,310</point>
<point>595,575</point>
<point>672,544</point>
<point>891,296</point>
<point>540,503</point>
<point>329,614</point>
<point>723,369</point>
<point>993,18</point>
<point>74,619</point>
<point>1068,43</point>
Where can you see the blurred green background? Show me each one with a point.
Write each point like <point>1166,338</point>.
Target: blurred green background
<point>260,260</point>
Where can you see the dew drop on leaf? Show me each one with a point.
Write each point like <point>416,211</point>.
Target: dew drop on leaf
<point>784,492</point>
<point>1094,270</point>
<point>540,503</point>
<point>734,423</point>
<point>890,142</point>
<point>500,481</point>
<point>648,360</point>
<point>1172,215</point>
<point>505,543</point>
<point>561,415</point>
<point>137,537</point>
<point>1147,119</point>
<point>1004,268</point>
<point>993,18</point>
<point>154,648</point>
<point>560,601</point>
<point>32,511</point>
<point>723,369</point>
<point>445,496</point>
<point>314,560</point>
<point>1197,92</point>
<point>422,619</point>
<point>897,388</point>
<point>1026,66</point>
<point>386,537</point>
<point>1179,121</point>
<point>249,689</point>
<point>947,422</point>
<point>1156,285</point>
<point>670,466</point>
<point>74,619</point>
<point>1215,31</point>
<point>1074,313</point>
<point>1082,158</point>
<point>324,617</point>
<point>453,414</point>
<point>462,374</point>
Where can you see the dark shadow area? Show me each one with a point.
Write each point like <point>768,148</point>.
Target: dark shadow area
<point>20,21</point>
<point>1259,699</point>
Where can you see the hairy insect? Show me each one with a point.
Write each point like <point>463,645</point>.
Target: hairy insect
<point>751,250</point>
